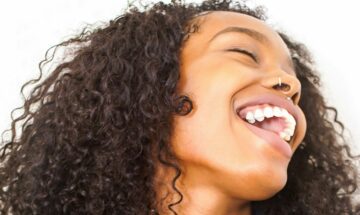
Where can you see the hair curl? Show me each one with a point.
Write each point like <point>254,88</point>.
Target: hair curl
<point>90,130</point>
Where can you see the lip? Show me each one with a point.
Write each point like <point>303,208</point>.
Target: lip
<point>273,139</point>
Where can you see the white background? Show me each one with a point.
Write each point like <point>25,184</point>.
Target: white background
<point>328,28</point>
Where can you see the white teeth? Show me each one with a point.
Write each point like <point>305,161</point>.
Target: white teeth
<point>291,125</point>
<point>289,131</point>
<point>277,111</point>
<point>290,119</point>
<point>250,117</point>
<point>268,112</point>
<point>283,112</point>
<point>259,115</point>
<point>284,136</point>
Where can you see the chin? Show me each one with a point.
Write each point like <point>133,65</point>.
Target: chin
<point>259,184</point>
<point>266,193</point>
<point>268,185</point>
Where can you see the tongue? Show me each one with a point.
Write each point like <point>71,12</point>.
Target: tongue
<point>274,124</point>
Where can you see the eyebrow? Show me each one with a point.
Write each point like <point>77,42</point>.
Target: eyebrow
<point>251,33</point>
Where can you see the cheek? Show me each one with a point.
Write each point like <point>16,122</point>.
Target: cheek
<point>211,138</point>
<point>206,133</point>
<point>219,155</point>
<point>195,138</point>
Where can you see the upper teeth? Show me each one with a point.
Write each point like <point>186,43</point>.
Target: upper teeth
<point>259,114</point>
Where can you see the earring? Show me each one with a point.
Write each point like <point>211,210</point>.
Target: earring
<point>279,82</point>
<point>183,105</point>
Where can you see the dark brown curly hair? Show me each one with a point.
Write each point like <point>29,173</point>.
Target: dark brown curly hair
<point>90,131</point>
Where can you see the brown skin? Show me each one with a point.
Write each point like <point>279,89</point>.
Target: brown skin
<point>226,166</point>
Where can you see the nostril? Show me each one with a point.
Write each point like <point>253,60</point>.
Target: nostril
<point>295,98</point>
<point>283,87</point>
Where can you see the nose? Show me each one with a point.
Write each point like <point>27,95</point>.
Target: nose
<point>285,83</point>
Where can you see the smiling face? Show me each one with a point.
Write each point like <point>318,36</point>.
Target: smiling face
<point>234,59</point>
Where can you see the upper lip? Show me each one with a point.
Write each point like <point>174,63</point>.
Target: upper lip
<point>270,99</point>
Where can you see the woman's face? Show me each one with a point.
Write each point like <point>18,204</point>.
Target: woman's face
<point>215,146</point>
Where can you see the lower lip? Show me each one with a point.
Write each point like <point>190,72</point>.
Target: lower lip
<point>273,139</point>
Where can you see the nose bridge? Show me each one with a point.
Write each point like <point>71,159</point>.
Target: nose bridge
<point>283,82</point>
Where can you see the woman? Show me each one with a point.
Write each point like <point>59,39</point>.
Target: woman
<point>180,109</point>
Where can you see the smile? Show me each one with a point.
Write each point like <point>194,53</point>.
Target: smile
<point>271,118</point>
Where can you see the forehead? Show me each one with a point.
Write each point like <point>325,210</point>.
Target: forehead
<point>210,24</point>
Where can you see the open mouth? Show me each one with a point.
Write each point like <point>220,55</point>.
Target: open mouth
<point>270,118</point>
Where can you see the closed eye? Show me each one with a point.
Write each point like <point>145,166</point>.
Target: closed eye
<point>243,51</point>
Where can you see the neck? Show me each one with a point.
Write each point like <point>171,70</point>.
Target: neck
<point>199,197</point>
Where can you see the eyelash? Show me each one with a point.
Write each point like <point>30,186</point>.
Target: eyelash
<point>243,51</point>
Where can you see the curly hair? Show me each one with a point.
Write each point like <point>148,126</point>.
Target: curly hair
<point>92,129</point>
